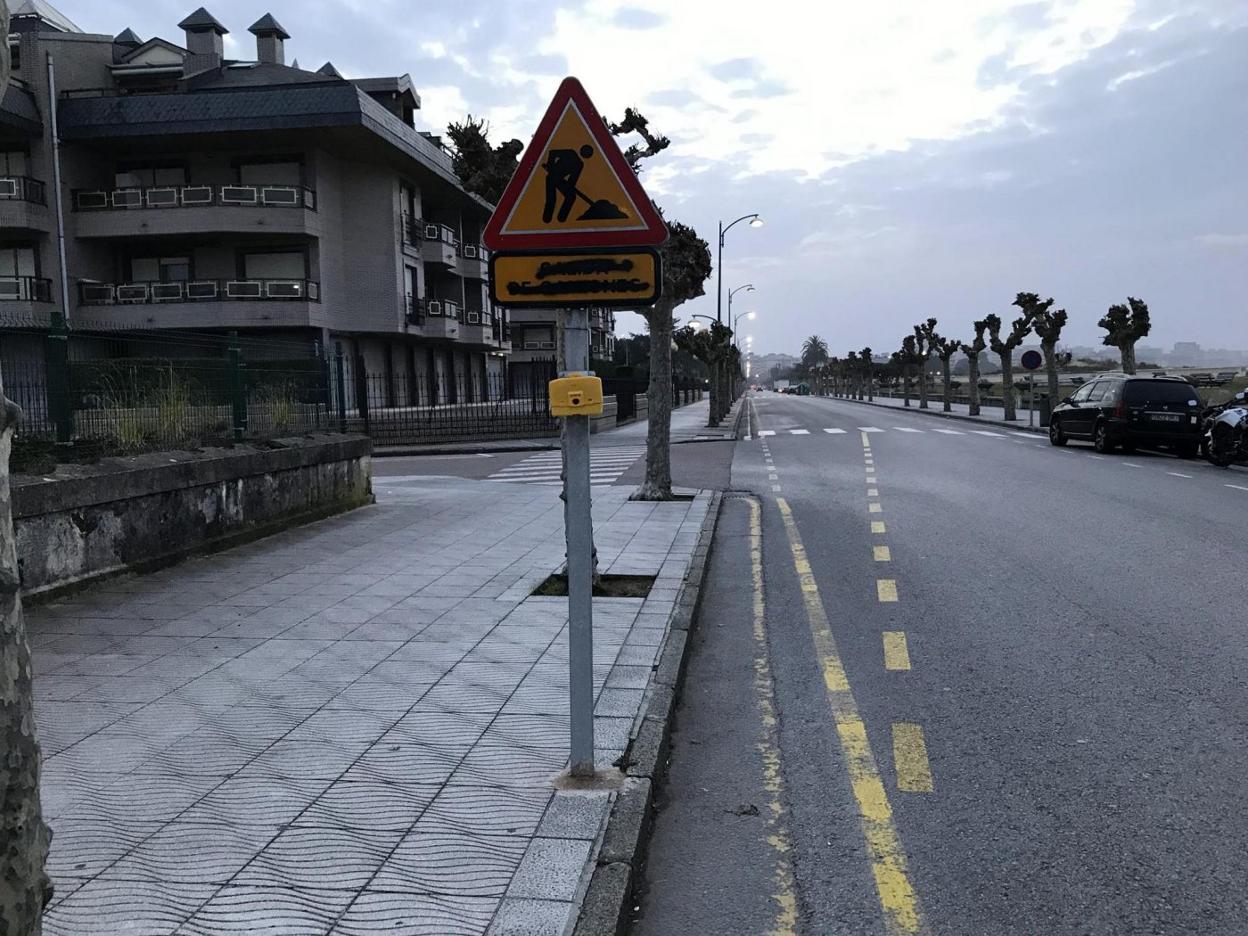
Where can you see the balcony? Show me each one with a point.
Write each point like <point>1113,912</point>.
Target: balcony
<point>23,205</point>
<point>25,289</point>
<point>473,261</point>
<point>200,290</point>
<point>442,318</point>
<point>415,311</point>
<point>439,245</point>
<point>177,209</point>
<point>478,327</point>
<point>23,188</point>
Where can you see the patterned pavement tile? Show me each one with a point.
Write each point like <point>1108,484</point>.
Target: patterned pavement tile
<point>190,853</point>
<point>256,801</point>
<point>268,911</point>
<point>500,764</point>
<point>319,856</point>
<point>369,805</point>
<point>303,760</point>
<point>136,908</point>
<point>479,810</point>
<point>82,848</point>
<point>402,761</point>
<point>416,915</point>
<point>451,863</point>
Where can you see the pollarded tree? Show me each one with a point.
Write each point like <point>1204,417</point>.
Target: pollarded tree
<point>1126,324</point>
<point>909,358</point>
<point>1004,348</point>
<point>24,836</point>
<point>972,352</point>
<point>850,368</point>
<point>868,370</point>
<point>924,336</point>
<point>945,349</point>
<point>1048,326</point>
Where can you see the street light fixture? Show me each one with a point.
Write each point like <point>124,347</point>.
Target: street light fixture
<point>755,222</point>
<point>748,287</point>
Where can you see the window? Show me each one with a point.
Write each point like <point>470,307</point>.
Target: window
<point>18,261</point>
<point>275,265</point>
<point>410,281</point>
<point>13,163</point>
<point>160,269</point>
<point>1081,395</point>
<point>149,176</point>
<point>1160,391</point>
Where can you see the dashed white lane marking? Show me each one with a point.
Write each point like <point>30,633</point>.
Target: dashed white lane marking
<point>799,432</point>
<point>1178,474</point>
<point>948,431</point>
<point>776,488</point>
<point>763,433</point>
<point>1131,465</point>
<point>869,429</point>
<point>1097,457</point>
<point>1238,487</point>
<point>1024,435</point>
<point>985,432</point>
<point>906,429</point>
<point>834,431</point>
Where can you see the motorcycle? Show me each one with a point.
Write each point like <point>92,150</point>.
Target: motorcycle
<point>1225,437</point>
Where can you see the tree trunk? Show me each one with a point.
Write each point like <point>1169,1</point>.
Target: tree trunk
<point>1127,349</point>
<point>905,384</point>
<point>1007,387</point>
<point>923,384</point>
<point>870,387</point>
<point>713,408</point>
<point>1049,348</point>
<point>946,376</point>
<point>973,377</point>
<point>24,839</point>
<point>658,482</point>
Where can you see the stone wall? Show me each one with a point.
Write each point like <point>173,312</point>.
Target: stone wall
<point>138,513</point>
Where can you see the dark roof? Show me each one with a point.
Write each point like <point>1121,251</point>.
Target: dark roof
<point>255,75</point>
<point>18,110</point>
<point>201,20</point>
<point>127,37</point>
<point>268,26</point>
<point>401,85</point>
<point>154,42</point>
<point>328,69</point>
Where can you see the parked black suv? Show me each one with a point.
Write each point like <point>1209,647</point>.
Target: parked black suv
<point>1119,409</point>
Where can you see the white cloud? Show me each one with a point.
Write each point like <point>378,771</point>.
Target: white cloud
<point>1223,241</point>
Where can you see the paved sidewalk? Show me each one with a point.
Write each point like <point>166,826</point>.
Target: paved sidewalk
<point>350,727</point>
<point>992,415</point>
<point>688,425</point>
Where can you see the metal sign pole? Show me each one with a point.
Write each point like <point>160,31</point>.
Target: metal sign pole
<point>579,529</point>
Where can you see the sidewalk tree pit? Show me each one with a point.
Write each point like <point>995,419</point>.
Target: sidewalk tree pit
<point>607,586</point>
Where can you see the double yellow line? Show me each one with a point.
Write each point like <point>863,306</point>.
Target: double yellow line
<point>898,900</point>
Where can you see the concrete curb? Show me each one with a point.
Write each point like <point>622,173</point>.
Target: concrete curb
<point>608,899</point>
<point>961,417</point>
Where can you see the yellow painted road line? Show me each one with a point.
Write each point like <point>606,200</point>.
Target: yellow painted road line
<point>784,922</point>
<point>875,507</point>
<point>866,441</point>
<point>877,526</point>
<point>886,589</point>
<point>896,651</point>
<point>898,900</point>
<point>914,774</point>
<point>882,554</point>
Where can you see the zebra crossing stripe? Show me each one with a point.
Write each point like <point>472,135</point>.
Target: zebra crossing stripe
<point>905,429</point>
<point>948,431</point>
<point>763,433</point>
<point>869,429</point>
<point>799,432</point>
<point>835,431</point>
<point>985,432</point>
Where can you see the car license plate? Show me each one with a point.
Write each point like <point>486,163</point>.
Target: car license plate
<point>1165,417</point>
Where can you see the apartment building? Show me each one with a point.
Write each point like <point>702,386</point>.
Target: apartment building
<point>534,342</point>
<point>199,192</point>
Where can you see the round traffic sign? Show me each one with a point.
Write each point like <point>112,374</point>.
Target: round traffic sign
<point>1032,359</point>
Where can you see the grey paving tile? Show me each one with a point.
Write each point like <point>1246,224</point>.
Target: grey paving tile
<point>85,847</point>
<point>502,764</point>
<point>136,908</point>
<point>370,805</point>
<point>551,869</point>
<point>524,917</point>
<point>575,815</point>
<point>406,914</point>
<point>406,762</point>
<point>303,760</point>
<point>451,863</point>
<point>272,911</point>
<point>319,856</point>
<point>189,853</point>
<point>255,801</point>
<point>482,810</point>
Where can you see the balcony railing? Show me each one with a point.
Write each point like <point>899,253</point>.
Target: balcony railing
<point>200,290</point>
<point>415,310</point>
<point>195,196</point>
<point>474,252</point>
<point>23,188</point>
<point>480,317</point>
<point>25,289</point>
<point>438,232</point>
<point>446,308</point>
<point>413,229</point>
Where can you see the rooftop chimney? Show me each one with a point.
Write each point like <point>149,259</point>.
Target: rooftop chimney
<point>270,38</point>
<point>127,39</point>
<point>203,42</point>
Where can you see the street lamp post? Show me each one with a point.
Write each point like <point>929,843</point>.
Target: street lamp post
<point>717,403</point>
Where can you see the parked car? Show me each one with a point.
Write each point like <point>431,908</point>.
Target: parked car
<point>1120,410</point>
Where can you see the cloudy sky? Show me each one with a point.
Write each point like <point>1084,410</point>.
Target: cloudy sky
<point>912,158</point>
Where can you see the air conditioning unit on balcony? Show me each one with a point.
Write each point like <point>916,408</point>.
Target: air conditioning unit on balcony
<point>128,198</point>
<point>284,289</point>
<point>433,307</point>
<point>131,293</point>
<point>280,196</point>
<point>433,232</point>
<point>202,289</point>
<point>532,345</point>
<point>97,294</point>
<point>239,195</point>
<point>88,201</point>
<point>470,251</point>
<point>8,188</point>
<point>197,195</point>
<point>548,346</point>
<point>243,289</point>
<point>162,197</point>
<point>166,292</point>
<point>474,318</point>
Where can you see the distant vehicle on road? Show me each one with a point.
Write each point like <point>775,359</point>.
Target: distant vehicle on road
<point>780,386</point>
<point>1225,432</point>
<point>1120,410</point>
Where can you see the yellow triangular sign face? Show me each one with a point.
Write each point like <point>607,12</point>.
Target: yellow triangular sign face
<point>573,187</point>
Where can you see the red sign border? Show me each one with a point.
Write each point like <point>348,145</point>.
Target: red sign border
<point>655,231</point>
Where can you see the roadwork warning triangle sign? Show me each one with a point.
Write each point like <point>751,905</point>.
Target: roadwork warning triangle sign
<point>573,187</point>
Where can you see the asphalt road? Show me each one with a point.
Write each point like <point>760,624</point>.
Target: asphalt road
<point>1009,698</point>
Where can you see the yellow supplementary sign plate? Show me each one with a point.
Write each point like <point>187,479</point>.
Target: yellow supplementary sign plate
<point>573,188</point>
<point>617,279</point>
